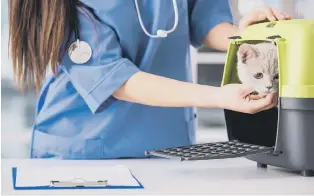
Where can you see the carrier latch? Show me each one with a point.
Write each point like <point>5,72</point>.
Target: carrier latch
<point>206,151</point>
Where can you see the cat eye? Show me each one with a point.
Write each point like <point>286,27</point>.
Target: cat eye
<point>276,77</point>
<point>258,75</point>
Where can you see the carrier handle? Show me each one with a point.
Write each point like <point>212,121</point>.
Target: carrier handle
<point>273,37</point>
<point>235,37</point>
<point>271,24</point>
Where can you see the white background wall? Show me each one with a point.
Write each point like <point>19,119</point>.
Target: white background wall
<point>15,107</point>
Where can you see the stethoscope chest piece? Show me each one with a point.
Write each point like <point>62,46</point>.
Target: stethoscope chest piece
<point>80,52</point>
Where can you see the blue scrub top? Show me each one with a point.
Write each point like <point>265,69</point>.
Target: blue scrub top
<point>77,116</point>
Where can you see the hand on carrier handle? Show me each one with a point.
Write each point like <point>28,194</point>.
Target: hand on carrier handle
<point>262,13</point>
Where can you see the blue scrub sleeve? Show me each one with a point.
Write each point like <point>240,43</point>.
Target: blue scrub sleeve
<point>106,71</point>
<point>205,15</point>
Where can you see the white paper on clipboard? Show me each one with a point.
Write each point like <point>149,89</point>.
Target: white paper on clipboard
<point>31,176</point>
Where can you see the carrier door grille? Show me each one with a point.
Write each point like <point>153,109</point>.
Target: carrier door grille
<point>217,150</point>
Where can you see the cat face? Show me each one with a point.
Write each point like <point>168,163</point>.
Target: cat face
<point>258,67</point>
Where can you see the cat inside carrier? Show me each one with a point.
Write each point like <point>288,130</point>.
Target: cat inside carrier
<point>284,135</point>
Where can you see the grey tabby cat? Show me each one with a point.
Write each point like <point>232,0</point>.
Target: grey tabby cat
<point>258,67</point>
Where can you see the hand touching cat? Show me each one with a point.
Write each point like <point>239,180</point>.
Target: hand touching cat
<point>235,97</point>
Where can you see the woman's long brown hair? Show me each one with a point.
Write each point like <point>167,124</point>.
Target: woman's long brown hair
<point>38,30</point>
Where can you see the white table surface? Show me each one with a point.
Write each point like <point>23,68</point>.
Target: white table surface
<point>162,176</point>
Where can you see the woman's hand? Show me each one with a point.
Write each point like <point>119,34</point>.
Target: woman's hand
<point>262,13</point>
<point>153,90</point>
<point>236,97</point>
<point>217,36</point>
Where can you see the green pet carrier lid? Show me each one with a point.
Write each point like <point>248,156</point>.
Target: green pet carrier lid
<point>295,43</point>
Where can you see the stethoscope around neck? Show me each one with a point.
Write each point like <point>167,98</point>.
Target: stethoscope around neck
<point>160,33</point>
<point>80,51</point>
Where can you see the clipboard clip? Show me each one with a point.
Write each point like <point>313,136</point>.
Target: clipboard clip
<point>79,182</point>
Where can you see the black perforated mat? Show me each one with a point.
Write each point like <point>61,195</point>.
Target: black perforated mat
<point>217,150</point>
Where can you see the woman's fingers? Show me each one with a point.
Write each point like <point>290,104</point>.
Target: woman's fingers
<point>273,14</point>
<point>262,13</point>
<point>269,13</point>
<point>272,105</point>
<point>239,97</point>
<point>263,104</point>
<point>245,91</point>
<point>279,15</point>
<point>288,17</point>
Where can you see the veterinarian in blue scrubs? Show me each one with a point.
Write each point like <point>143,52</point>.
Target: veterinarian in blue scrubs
<point>135,92</point>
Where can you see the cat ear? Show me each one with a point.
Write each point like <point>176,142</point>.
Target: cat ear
<point>246,52</point>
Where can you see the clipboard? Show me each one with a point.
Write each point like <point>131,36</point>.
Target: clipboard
<point>77,184</point>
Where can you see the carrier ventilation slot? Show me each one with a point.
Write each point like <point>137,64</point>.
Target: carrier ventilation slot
<point>206,151</point>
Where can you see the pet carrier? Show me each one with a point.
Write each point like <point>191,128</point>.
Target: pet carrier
<point>282,136</point>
